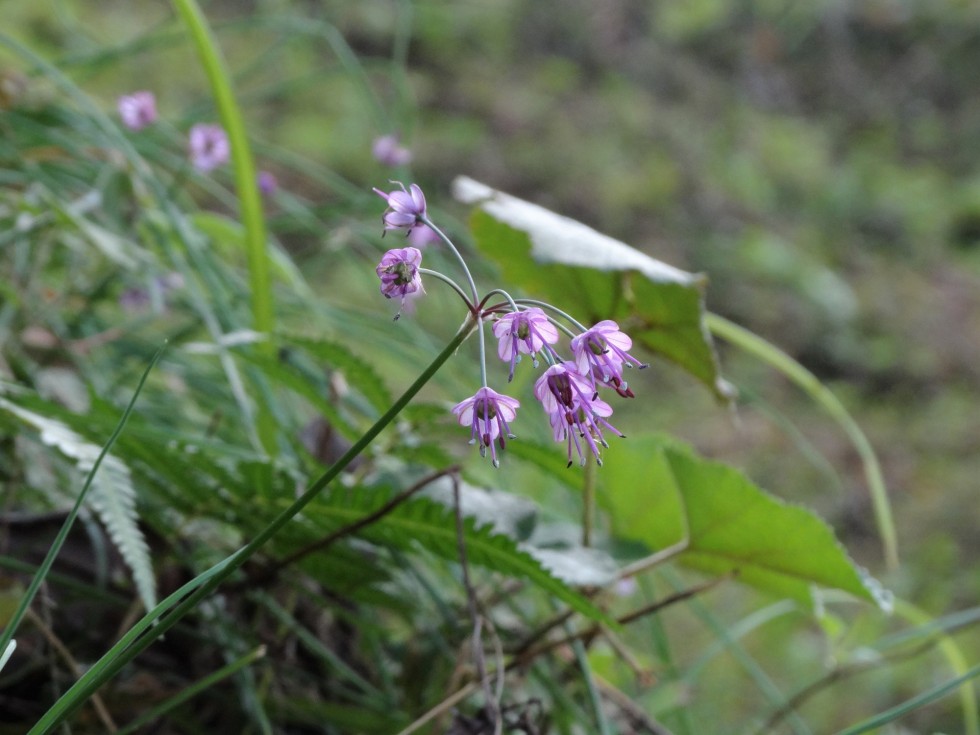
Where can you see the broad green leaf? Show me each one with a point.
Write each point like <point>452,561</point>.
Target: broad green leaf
<point>596,277</point>
<point>660,493</point>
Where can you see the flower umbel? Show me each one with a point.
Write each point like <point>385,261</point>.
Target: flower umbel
<point>399,273</point>
<point>524,332</point>
<point>574,410</point>
<point>405,208</point>
<point>209,147</point>
<point>138,110</point>
<point>601,353</point>
<point>488,414</point>
<point>568,389</point>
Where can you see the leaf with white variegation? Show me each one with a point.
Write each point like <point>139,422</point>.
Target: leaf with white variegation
<point>662,306</point>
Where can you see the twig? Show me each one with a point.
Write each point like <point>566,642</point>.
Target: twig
<point>631,570</point>
<point>522,658</point>
<point>268,574</point>
<point>832,677</point>
<point>76,670</point>
<point>491,704</point>
<point>648,562</point>
<point>444,706</point>
<point>631,708</point>
<point>525,652</point>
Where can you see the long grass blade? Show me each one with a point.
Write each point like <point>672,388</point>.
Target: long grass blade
<point>811,385</point>
<point>921,700</point>
<point>246,185</point>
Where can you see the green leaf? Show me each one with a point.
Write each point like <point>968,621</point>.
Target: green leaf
<point>661,493</point>
<point>662,305</point>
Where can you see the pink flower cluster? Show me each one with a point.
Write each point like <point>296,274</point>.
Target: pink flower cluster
<point>568,389</point>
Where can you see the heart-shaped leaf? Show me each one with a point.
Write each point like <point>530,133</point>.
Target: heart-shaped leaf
<point>660,493</point>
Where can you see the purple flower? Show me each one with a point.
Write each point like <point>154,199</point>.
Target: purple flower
<point>209,147</point>
<point>523,331</point>
<point>422,235</point>
<point>160,288</point>
<point>387,150</point>
<point>601,353</point>
<point>399,273</point>
<point>488,415</point>
<point>405,207</point>
<point>574,410</point>
<point>138,110</point>
<point>267,183</point>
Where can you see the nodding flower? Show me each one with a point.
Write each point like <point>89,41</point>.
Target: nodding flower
<point>526,332</point>
<point>600,352</point>
<point>574,410</point>
<point>399,273</point>
<point>406,208</point>
<point>488,414</point>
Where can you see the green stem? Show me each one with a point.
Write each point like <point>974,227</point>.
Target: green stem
<point>171,610</point>
<point>588,500</point>
<point>246,184</point>
<point>459,257</point>
<point>758,347</point>
<point>446,279</point>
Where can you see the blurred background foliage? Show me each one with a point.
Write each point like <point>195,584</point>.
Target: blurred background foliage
<point>819,161</point>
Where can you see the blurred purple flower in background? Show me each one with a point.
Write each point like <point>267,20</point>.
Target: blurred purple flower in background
<point>422,235</point>
<point>268,184</point>
<point>209,147</point>
<point>138,109</point>
<point>388,151</point>
<point>155,296</point>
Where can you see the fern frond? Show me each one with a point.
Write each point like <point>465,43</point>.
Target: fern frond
<point>432,526</point>
<point>112,496</point>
